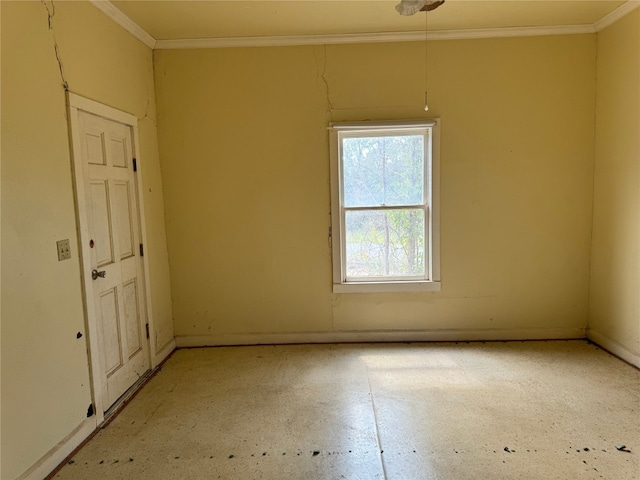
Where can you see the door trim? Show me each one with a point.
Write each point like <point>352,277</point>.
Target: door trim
<point>75,104</point>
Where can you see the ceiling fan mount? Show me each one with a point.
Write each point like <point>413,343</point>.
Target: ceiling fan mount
<point>411,7</point>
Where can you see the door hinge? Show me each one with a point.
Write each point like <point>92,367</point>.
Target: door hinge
<point>147,326</point>
<point>135,165</point>
<point>141,250</point>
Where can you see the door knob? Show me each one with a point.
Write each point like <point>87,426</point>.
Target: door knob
<point>95,274</point>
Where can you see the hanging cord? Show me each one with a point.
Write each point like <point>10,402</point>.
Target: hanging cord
<point>426,58</point>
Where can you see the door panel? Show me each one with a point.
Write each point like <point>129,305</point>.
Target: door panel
<point>112,353</point>
<point>131,317</point>
<point>119,152</point>
<point>124,216</point>
<point>102,237</point>
<point>95,149</point>
<point>112,219</point>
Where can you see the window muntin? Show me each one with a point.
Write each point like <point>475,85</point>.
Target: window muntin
<point>382,185</point>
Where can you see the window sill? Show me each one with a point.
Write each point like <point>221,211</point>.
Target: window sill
<point>383,287</point>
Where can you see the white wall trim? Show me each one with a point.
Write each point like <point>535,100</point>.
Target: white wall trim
<point>290,40</point>
<point>164,352</point>
<point>137,31</point>
<point>183,341</point>
<point>617,14</point>
<point>146,273</point>
<point>97,108</point>
<point>113,12</point>
<point>60,451</point>
<point>614,347</point>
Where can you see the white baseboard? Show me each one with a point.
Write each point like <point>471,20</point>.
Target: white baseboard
<point>58,453</point>
<point>614,347</point>
<point>183,341</point>
<point>164,352</point>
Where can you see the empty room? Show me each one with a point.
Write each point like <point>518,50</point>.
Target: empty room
<point>372,239</point>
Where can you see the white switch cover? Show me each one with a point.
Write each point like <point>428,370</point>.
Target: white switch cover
<point>64,250</point>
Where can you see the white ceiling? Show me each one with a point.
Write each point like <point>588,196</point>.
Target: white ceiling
<point>166,21</point>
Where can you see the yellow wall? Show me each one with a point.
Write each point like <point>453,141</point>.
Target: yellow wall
<point>45,378</point>
<point>614,309</point>
<point>244,153</point>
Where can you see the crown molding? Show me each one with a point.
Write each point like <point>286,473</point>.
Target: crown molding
<point>617,14</point>
<point>290,40</point>
<point>113,12</point>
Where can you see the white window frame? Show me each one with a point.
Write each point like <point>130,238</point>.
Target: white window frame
<point>431,281</point>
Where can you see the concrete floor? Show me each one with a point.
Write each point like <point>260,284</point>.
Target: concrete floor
<point>530,410</point>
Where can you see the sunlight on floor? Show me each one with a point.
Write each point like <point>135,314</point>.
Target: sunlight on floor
<point>377,411</point>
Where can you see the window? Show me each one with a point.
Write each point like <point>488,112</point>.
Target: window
<point>384,206</point>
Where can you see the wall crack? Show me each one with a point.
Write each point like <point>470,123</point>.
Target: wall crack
<point>146,110</point>
<point>50,7</point>
<point>322,75</point>
<point>149,96</point>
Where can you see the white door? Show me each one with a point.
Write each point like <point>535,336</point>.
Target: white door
<point>115,269</point>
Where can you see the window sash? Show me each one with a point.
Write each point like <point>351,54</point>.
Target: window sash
<point>378,132</point>
<point>385,278</point>
<point>431,280</point>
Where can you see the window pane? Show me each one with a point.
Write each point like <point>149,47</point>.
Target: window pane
<point>383,170</point>
<point>385,243</point>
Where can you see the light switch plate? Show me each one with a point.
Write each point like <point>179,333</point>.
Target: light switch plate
<point>64,250</point>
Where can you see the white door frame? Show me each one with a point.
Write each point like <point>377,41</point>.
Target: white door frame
<point>75,104</point>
